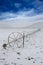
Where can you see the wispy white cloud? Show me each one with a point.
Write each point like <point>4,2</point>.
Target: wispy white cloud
<point>21,21</point>
<point>28,12</point>
<point>38,5</point>
<point>25,12</point>
<point>7,15</point>
<point>17,5</point>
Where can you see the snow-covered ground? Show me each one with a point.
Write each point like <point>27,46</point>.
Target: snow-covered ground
<point>31,54</point>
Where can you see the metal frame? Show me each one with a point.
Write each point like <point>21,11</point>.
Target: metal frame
<point>17,37</point>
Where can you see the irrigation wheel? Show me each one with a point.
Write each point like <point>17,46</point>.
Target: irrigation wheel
<point>15,38</point>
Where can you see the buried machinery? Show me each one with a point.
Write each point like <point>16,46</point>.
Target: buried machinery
<point>18,39</point>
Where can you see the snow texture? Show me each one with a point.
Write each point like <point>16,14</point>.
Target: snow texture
<point>31,54</point>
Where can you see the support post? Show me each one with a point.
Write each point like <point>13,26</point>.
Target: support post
<point>23,39</point>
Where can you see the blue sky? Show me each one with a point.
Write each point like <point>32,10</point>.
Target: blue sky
<point>18,5</point>
<point>13,8</point>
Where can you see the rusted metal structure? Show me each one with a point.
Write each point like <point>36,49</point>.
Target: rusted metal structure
<point>18,38</point>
